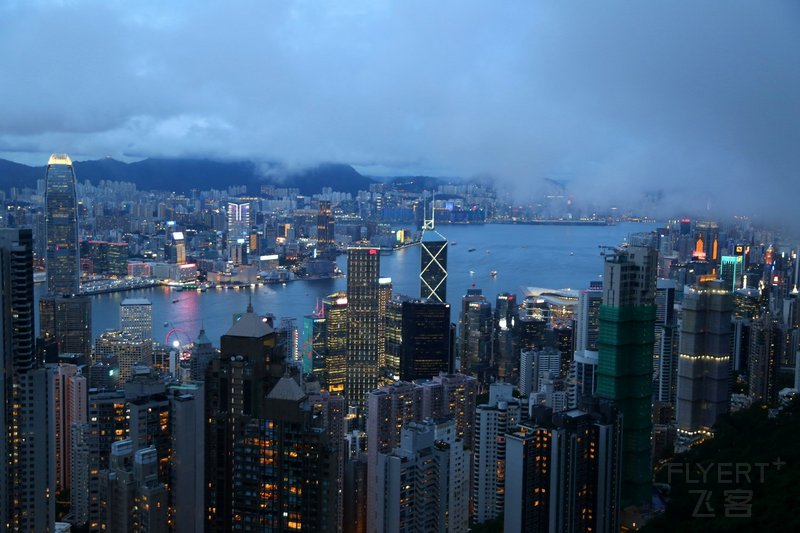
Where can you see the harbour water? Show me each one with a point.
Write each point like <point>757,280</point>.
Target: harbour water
<point>523,256</point>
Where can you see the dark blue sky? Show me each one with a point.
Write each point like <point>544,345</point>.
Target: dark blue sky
<point>618,98</point>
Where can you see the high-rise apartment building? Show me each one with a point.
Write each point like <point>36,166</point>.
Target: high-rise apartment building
<point>563,471</point>
<point>363,323</point>
<point>423,484</point>
<point>27,428</point>
<point>625,364</point>
<point>61,227</point>
<point>705,358</point>
<point>492,421</point>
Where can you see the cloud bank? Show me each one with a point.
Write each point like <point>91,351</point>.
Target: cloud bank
<point>695,102</point>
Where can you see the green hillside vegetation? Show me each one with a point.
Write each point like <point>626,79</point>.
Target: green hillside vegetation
<point>751,442</point>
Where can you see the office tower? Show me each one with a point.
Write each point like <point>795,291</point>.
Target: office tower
<point>476,336</point>
<point>583,377</point>
<point>546,365</point>
<point>61,226</point>
<point>125,350</point>
<point>384,297</point>
<point>473,295</point>
<point>65,327</point>
<point>238,220</point>
<point>186,419</point>
<point>665,348</point>
<point>705,358</point>
<point>433,263</point>
<point>492,421</point>
<point>426,346</point>
<point>730,271</point>
<point>136,318</point>
<point>133,498</point>
<point>326,238</point>
<point>363,319</point>
<point>563,472</point>
<point>27,426</point>
<point>334,307</point>
<point>531,332</point>
<point>625,366</point>
<point>423,483</point>
<point>203,352</point>
<point>394,333</point>
<point>506,314</point>
<point>764,357</point>
<point>313,348</point>
<point>175,249</point>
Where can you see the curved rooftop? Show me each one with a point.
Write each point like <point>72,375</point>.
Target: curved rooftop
<point>59,159</point>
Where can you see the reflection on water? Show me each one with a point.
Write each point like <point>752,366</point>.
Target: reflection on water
<point>523,256</point>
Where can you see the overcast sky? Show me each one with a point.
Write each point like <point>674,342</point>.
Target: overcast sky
<point>615,98</point>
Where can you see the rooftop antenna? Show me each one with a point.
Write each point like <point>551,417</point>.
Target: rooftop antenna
<point>428,223</point>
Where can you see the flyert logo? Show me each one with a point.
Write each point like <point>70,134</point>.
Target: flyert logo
<point>736,478</point>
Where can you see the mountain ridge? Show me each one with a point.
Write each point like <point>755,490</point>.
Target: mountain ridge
<point>184,174</point>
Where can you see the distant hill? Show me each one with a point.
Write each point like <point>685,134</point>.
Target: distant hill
<point>182,175</point>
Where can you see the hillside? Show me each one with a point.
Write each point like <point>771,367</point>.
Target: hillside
<point>182,175</point>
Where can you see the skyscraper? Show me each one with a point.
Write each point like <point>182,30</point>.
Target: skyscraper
<point>326,239</point>
<point>334,307</point>
<point>27,459</point>
<point>705,358</point>
<point>61,226</point>
<point>363,320</point>
<point>426,343</point>
<point>625,362</point>
<point>136,318</point>
<point>423,484</point>
<point>476,336</point>
<point>665,349</point>
<point>562,471</point>
<point>433,263</point>
<point>492,421</point>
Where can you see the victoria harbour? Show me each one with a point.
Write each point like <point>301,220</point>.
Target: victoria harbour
<point>523,256</point>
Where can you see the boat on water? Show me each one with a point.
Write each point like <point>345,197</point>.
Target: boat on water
<point>471,250</point>
<point>493,273</point>
<point>175,301</point>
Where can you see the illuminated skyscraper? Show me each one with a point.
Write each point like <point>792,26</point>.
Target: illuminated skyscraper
<point>363,319</point>
<point>325,227</point>
<point>61,226</point>
<point>625,362</point>
<point>335,311</point>
<point>433,263</point>
<point>238,220</point>
<point>705,358</point>
<point>136,318</point>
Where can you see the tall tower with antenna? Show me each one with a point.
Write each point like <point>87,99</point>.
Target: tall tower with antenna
<point>433,260</point>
